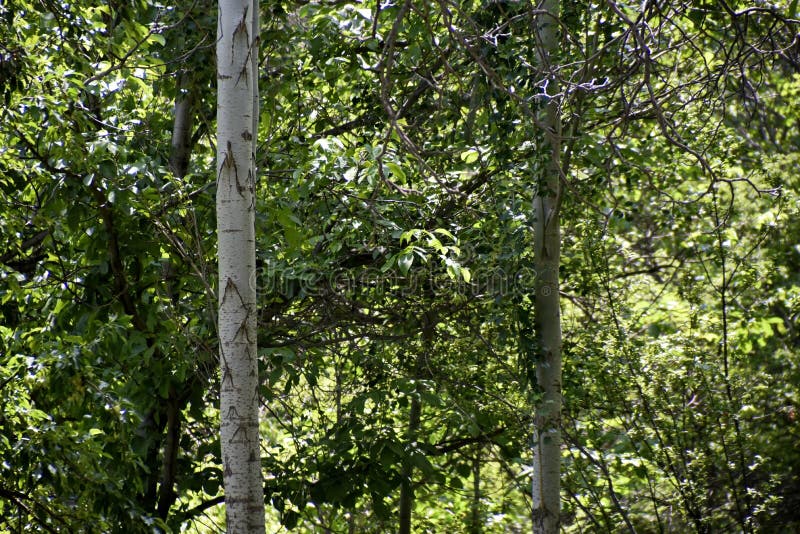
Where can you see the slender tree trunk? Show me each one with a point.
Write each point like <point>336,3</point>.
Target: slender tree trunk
<point>476,519</point>
<point>407,485</point>
<point>545,489</point>
<point>182,127</point>
<point>169,467</point>
<point>179,158</point>
<point>406,505</point>
<point>237,108</point>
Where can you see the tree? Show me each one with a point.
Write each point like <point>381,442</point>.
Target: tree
<point>398,324</point>
<point>237,132</point>
<point>546,483</point>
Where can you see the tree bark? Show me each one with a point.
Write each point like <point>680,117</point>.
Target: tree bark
<point>169,468</point>
<point>545,489</point>
<point>237,43</point>
<point>406,504</point>
<point>475,518</point>
<point>183,121</point>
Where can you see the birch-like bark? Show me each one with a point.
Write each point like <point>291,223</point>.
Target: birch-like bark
<point>236,118</point>
<point>545,489</point>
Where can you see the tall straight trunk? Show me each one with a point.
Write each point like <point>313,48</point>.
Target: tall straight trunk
<point>545,489</point>
<point>237,44</point>
<point>406,504</point>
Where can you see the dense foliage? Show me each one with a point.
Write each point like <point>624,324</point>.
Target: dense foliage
<point>399,153</point>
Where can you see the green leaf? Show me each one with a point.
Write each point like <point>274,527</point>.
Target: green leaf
<point>108,168</point>
<point>158,38</point>
<point>445,232</point>
<point>421,462</point>
<point>404,262</point>
<point>390,261</point>
<point>470,156</point>
<point>397,171</point>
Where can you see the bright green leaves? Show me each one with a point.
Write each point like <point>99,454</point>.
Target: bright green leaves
<point>397,172</point>
<point>406,259</point>
<point>381,239</point>
<point>292,229</point>
<point>106,329</point>
<point>46,401</point>
<point>422,244</point>
<point>470,156</point>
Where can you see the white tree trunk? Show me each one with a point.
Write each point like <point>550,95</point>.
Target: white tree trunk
<point>237,108</point>
<point>547,249</point>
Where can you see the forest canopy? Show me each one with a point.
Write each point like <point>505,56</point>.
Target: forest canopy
<point>425,172</point>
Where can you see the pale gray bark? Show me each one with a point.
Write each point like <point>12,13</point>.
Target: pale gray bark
<point>547,249</point>
<point>255,33</point>
<point>236,117</point>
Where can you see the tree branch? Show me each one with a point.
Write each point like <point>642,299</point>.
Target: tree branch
<point>446,446</point>
<point>18,497</point>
